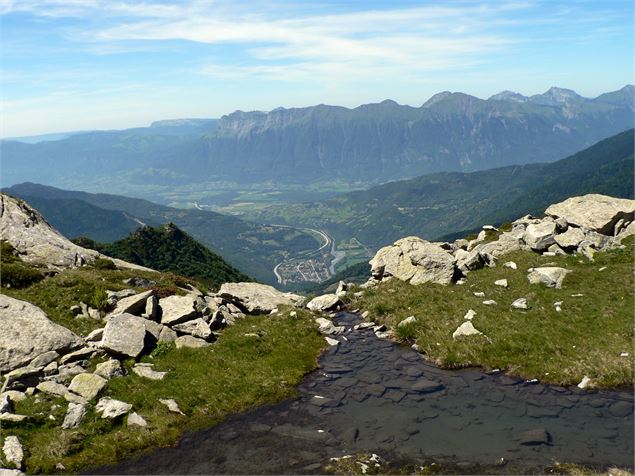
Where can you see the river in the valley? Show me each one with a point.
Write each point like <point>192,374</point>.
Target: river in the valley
<point>374,396</point>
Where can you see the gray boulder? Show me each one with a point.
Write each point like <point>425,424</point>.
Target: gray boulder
<point>74,415</point>
<point>414,260</point>
<point>190,342</point>
<point>109,369</point>
<point>177,309</point>
<point>27,333</point>
<point>540,236</point>
<point>551,276</point>
<point>146,371</point>
<point>125,335</point>
<point>257,298</point>
<point>570,239</point>
<point>325,303</point>
<point>167,335</point>
<point>134,419</point>
<point>133,304</point>
<point>197,328</point>
<point>538,436</point>
<point>594,212</point>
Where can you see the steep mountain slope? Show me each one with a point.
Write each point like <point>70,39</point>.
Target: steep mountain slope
<point>168,248</point>
<point>440,204</point>
<point>253,248</point>
<point>371,143</point>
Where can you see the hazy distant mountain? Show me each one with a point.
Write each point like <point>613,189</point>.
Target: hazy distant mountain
<point>432,206</point>
<point>370,143</point>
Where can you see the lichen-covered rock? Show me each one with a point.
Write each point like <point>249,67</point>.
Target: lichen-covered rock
<point>27,333</point>
<point>109,369</point>
<point>255,298</point>
<point>87,385</point>
<point>124,335</point>
<point>190,342</point>
<point>74,415</point>
<point>594,212</point>
<point>111,408</point>
<point>414,260</point>
<point>13,452</point>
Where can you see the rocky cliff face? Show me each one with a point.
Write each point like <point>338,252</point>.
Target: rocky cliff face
<point>37,242</point>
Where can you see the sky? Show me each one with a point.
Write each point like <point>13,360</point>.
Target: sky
<point>69,65</point>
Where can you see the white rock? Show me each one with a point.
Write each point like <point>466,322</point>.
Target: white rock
<point>490,302</point>
<point>479,294</point>
<point>585,383</point>
<point>134,419</point>
<point>87,385</point>
<point>520,303</point>
<point>407,321</point>
<point>594,212</point>
<point>13,452</point>
<point>109,369</point>
<point>551,276</point>
<point>332,342</point>
<point>190,342</point>
<point>258,298</point>
<point>172,405</point>
<point>176,309</point>
<point>124,334</point>
<point>510,264</point>
<point>466,329</point>
<point>111,408</point>
<point>196,328</point>
<point>469,315</point>
<point>502,283</point>
<point>540,236</point>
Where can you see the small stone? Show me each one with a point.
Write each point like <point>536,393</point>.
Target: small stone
<point>465,329</point>
<point>172,405</point>
<point>6,405</point>
<point>501,282</point>
<point>624,354</point>
<point>407,321</point>
<point>148,372</point>
<point>134,419</point>
<point>520,303</point>
<point>332,342</point>
<point>479,294</point>
<point>490,302</point>
<point>111,408</point>
<point>74,415</point>
<point>469,315</point>
<point>13,452</point>
<point>510,265</point>
<point>585,383</point>
<point>538,436</point>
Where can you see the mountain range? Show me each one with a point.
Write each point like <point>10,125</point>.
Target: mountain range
<point>373,143</point>
<point>451,203</point>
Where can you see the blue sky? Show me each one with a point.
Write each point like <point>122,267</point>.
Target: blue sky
<point>100,64</point>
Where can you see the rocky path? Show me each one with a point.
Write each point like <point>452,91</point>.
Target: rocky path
<point>371,395</point>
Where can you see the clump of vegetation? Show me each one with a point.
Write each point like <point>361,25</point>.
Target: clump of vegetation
<point>588,336</point>
<point>104,263</point>
<point>14,273</point>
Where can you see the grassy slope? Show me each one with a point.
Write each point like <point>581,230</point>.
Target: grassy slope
<point>235,374</point>
<point>586,338</point>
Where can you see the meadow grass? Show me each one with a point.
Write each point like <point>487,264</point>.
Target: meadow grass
<point>585,338</point>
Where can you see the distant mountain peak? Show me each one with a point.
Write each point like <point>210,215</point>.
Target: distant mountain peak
<point>508,96</point>
<point>437,98</point>
<point>557,96</point>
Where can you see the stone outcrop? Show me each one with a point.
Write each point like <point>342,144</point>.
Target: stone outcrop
<point>414,260</point>
<point>255,298</point>
<point>594,212</point>
<point>111,408</point>
<point>26,333</point>
<point>135,304</point>
<point>177,309</point>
